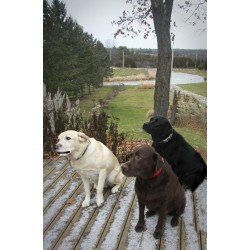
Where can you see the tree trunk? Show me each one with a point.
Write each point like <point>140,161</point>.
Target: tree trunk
<point>162,11</point>
<point>174,106</point>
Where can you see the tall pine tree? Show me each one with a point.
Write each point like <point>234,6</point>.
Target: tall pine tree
<point>73,59</point>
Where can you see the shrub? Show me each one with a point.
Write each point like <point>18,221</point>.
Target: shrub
<point>96,126</point>
<point>59,115</point>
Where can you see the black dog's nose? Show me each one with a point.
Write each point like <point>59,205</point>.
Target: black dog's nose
<point>145,125</point>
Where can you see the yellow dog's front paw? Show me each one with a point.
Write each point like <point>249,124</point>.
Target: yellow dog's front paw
<point>85,203</point>
<point>115,189</point>
<point>99,201</point>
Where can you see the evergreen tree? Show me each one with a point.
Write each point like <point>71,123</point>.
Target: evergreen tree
<point>72,58</point>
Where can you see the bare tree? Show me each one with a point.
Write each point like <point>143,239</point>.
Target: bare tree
<point>160,11</point>
<point>195,10</point>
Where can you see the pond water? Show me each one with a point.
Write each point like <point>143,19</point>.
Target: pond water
<point>177,78</point>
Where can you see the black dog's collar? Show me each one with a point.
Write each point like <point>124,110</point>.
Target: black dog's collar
<point>168,138</point>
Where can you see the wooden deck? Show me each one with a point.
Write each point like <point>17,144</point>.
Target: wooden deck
<point>68,226</point>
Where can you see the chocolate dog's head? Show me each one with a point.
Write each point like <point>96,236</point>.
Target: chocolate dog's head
<point>143,163</point>
<point>158,127</point>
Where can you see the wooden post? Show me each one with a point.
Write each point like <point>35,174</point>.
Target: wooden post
<point>174,106</point>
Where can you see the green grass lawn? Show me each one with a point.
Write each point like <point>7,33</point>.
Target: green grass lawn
<point>194,137</point>
<point>127,71</point>
<point>131,107</point>
<point>197,88</point>
<point>88,102</point>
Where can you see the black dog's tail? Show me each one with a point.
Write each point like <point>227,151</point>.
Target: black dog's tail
<point>200,178</point>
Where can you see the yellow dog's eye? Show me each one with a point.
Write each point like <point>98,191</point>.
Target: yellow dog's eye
<point>68,138</point>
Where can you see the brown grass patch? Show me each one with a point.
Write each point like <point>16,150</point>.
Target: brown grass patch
<point>146,86</point>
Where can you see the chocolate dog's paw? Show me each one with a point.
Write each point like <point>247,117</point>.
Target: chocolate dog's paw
<point>140,227</point>
<point>150,213</point>
<point>174,221</point>
<point>158,234</point>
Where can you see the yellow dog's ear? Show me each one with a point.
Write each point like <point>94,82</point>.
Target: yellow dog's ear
<point>82,137</point>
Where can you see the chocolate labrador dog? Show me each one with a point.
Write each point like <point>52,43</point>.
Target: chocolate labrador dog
<point>185,161</point>
<point>156,186</point>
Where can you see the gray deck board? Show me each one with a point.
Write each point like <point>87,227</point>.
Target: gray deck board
<point>68,226</point>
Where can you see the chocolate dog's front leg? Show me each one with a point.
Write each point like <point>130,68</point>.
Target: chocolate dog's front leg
<point>161,221</point>
<point>141,222</point>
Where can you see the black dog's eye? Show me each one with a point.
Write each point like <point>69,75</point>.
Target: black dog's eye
<point>68,138</point>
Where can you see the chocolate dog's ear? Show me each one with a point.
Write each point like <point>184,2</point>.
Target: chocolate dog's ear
<point>82,137</point>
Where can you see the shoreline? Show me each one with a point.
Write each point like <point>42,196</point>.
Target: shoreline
<point>150,75</point>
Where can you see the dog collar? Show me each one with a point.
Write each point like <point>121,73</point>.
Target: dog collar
<point>168,138</point>
<point>156,173</point>
<point>82,153</point>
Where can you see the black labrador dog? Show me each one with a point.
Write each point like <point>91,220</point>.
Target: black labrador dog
<point>157,187</point>
<point>185,161</point>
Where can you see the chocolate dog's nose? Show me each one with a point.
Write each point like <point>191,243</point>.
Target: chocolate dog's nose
<point>124,167</point>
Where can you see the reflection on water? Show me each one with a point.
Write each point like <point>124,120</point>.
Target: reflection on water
<point>177,78</point>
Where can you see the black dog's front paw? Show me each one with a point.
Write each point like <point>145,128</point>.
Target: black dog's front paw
<point>158,234</point>
<point>139,227</point>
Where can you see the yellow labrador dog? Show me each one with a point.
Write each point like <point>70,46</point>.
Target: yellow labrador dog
<point>93,161</point>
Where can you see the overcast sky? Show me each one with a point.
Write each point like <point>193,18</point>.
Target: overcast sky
<point>95,17</point>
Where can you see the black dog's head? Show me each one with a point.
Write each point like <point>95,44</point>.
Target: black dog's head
<point>143,163</point>
<point>158,127</point>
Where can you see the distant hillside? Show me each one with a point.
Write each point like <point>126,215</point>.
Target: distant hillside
<point>191,53</point>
